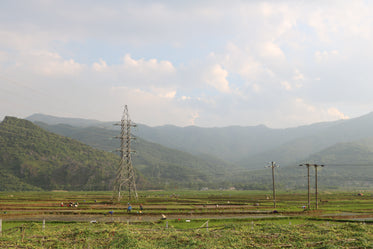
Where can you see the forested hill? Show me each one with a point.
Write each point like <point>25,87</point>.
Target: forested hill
<point>32,158</point>
<point>159,167</point>
<point>350,163</point>
<point>345,146</point>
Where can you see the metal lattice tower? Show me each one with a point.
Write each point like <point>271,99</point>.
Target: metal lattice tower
<point>125,176</point>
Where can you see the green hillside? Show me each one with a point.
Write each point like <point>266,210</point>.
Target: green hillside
<point>347,166</point>
<point>32,158</point>
<point>9,182</point>
<point>248,147</point>
<point>158,166</point>
<point>349,163</point>
<point>344,146</point>
<point>35,158</point>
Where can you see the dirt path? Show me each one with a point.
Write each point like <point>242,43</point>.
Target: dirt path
<point>130,218</point>
<point>153,218</point>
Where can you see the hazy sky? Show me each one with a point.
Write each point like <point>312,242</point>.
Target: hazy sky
<point>204,63</point>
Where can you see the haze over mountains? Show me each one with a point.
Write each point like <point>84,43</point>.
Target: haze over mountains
<point>245,147</point>
<point>186,157</point>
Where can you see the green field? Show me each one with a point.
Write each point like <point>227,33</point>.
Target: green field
<point>195,219</point>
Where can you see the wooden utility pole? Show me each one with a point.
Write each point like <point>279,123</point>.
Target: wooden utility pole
<point>316,165</point>
<point>273,166</point>
<point>308,177</point>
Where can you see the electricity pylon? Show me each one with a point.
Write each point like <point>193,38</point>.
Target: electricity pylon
<point>125,175</point>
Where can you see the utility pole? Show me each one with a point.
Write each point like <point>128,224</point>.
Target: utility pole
<point>308,177</point>
<point>316,165</point>
<point>273,166</point>
<point>125,173</point>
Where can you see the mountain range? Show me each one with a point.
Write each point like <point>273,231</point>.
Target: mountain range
<point>195,157</point>
<point>246,147</point>
<point>243,149</point>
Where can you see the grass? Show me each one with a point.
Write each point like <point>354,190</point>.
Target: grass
<point>185,201</point>
<point>221,234</point>
<point>237,221</point>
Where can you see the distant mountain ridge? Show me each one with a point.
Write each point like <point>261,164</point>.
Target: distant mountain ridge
<point>249,147</point>
<point>53,120</point>
<point>159,165</point>
<point>32,159</point>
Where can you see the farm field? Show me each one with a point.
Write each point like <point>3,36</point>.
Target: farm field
<point>195,219</point>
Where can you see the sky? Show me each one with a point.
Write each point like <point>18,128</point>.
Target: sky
<point>204,63</point>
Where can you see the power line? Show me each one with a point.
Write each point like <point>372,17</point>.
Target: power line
<point>350,165</point>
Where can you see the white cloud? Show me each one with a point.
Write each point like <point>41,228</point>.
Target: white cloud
<point>4,56</point>
<point>271,50</point>
<point>256,88</point>
<point>145,105</point>
<point>151,65</point>
<point>301,111</point>
<point>335,113</point>
<point>298,111</point>
<point>100,66</point>
<point>164,93</point>
<point>23,40</point>
<point>217,78</point>
<point>193,118</point>
<point>298,75</point>
<point>302,105</point>
<point>242,61</point>
<point>343,20</point>
<point>322,56</point>
<point>286,85</point>
<point>185,57</point>
<point>51,64</point>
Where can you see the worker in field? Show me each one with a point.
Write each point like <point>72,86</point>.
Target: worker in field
<point>129,208</point>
